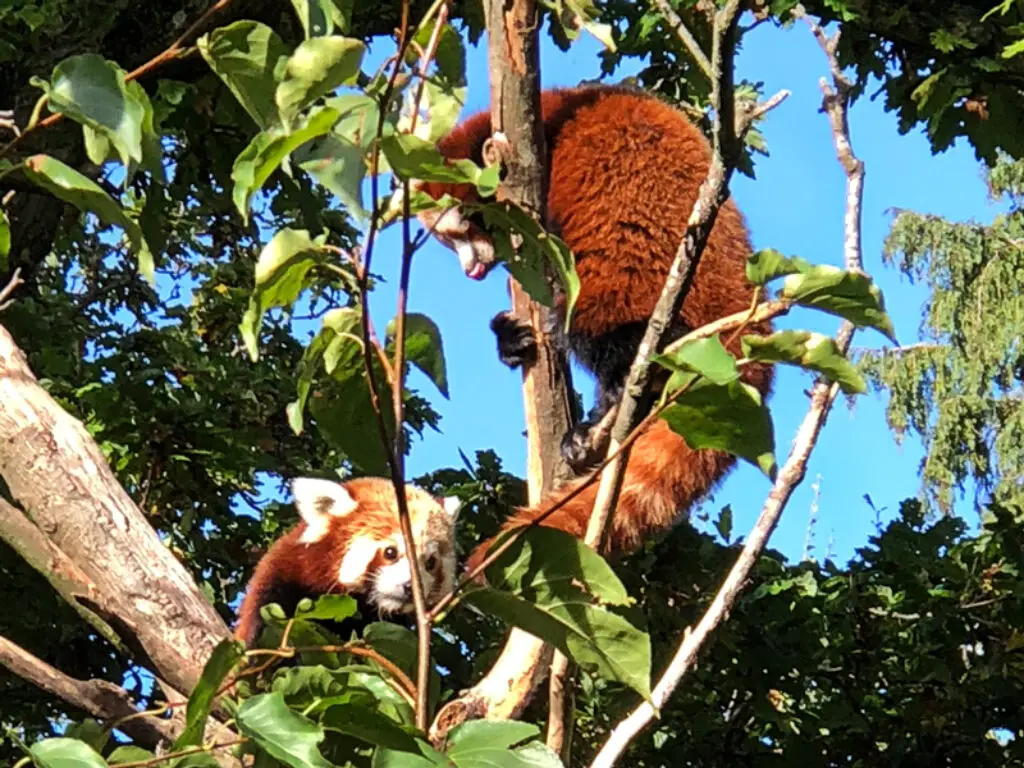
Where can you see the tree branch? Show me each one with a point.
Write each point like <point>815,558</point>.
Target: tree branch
<point>836,104</point>
<point>514,65</point>
<point>685,36</point>
<point>59,476</point>
<point>102,700</point>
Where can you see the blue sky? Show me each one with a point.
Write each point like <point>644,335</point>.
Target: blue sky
<point>795,205</point>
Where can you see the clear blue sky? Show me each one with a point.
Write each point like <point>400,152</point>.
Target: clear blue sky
<point>796,205</point>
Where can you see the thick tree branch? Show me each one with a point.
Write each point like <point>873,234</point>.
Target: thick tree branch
<point>59,476</point>
<point>836,104</point>
<point>103,700</point>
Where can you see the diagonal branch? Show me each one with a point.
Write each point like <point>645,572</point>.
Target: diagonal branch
<point>836,105</point>
<point>101,699</point>
<point>685,36</point>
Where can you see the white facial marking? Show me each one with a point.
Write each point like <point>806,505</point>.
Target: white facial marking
<point>356,561</point>
<point>392,588</point>
<point>466,253</point>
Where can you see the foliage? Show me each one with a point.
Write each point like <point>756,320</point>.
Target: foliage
<point>174,308</point>
<point>959,388</point>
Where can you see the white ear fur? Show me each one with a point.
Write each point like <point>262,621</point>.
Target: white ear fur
<point>452,505</point>
<point>356,562</point>
<point>318,501</point>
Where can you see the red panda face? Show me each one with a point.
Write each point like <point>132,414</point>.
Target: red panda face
<point>471,244</point>
<point>356,525</point>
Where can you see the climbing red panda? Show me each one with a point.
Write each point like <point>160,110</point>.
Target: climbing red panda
<point>624,170</point>
<point>349,541</point>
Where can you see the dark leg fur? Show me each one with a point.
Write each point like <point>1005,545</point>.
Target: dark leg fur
<point>516,343</point>
<point>609,358</point>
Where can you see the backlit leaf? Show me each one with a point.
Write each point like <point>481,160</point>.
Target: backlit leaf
<point>423,348</point>
<point>805,349</point>
<point>223,659</point>
<point>849,295</point>
<point>317,68</point>
<point>65,753</point>
<point>283,734</point>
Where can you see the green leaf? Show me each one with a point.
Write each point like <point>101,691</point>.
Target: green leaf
<point>600,642</point>
<point>283,734</point>
<point>72,187</point>
<point>483,734</point>
<point>223,659</point>
<point>339,167</point>
<point>398,644</point>
<point>92,91</point>
<point>5,240</point>
<point>730,418</point>
<point>805,349</point>
<point>423,348</point>
<point>280,277</point>
<point>268,149</point>
<point>411,157</point>
<point>767,264</point>
<point>849,295</point>
<point>425,757</point>
<point>539,251</point>
<point>316,16</point>
<point>724,523</point>
<point>707,357</point>
<point>65,753</point>
<point>129,754</point>
<point>316,68</point>
<point>330,608</point>
<point>250,59</point>
<point>369,726</point>
<point>91,732</point>
<point>548,560</point>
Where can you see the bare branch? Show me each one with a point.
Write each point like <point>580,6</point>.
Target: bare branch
<point>10,288</point>
<point>102,700</point>
<point>792,473</point>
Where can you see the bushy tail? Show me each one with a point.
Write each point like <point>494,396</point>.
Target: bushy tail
<point>664,478</point>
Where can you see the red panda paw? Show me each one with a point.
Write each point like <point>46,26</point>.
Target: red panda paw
<point>516,343</point>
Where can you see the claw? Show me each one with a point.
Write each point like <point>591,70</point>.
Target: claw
<point>516,343</point>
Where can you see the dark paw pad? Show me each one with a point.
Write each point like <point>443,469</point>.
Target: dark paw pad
<point>516,343</point>
<point>576,447</point>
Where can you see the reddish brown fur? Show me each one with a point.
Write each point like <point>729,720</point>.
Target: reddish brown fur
<point>312,567</point>
<point>625,170</point>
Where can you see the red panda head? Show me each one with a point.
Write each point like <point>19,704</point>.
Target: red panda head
<point>355,526</point>
<point>456,231</point>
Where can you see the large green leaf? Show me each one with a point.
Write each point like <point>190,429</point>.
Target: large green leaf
<point>280,278</point>
<point>551,584</point>
<point>250,58</point>
<point>849,295</point>
<point>423,348</point>
<point>340,167</point>
<point>767,264</point>
<point>599,641</point>
<point>268,150</point>
<point>328,608</point>
<point>65,753</point>
<point>223,659</point>
<point>283,734</point>
<point>369,726</point>
<point>411,157</point>
<point>92,91</point>
<point>316,68</point>
<point>730,418</point>
<point>805,349</point>
<point>708,357</point>
<point>72,187</point>
<point>316,16</point>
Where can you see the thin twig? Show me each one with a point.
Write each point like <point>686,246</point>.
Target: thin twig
<point>792,473</point>
<point>12,285</point>
<point>183,753</point>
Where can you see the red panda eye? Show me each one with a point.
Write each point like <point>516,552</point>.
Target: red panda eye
<point>391,554</point>
<point>431,564</point>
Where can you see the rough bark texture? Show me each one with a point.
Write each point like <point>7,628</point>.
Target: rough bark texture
<point>514,63</point>
<point>58,475</point>
<point>515,109</point>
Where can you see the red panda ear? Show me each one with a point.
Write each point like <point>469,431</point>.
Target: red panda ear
<point>318,501</point>
<point>451,505</point>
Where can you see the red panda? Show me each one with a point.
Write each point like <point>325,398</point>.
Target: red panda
<point>624,172</point>
<point>349,541</point>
